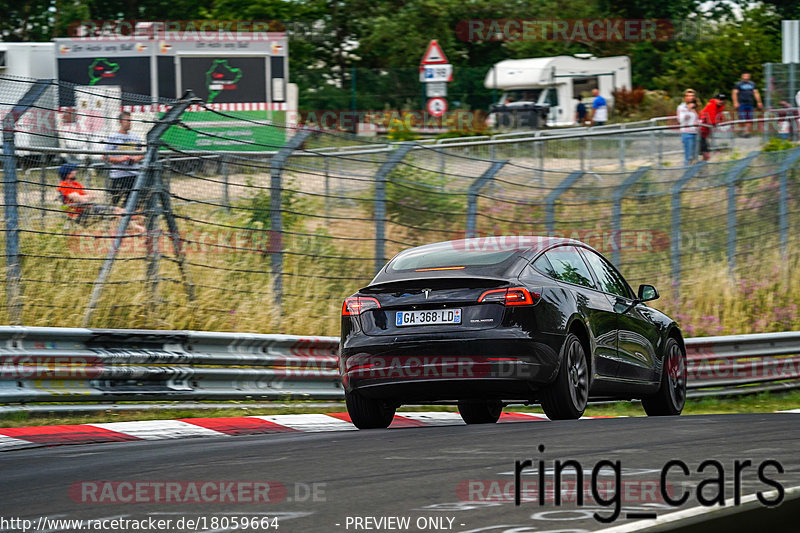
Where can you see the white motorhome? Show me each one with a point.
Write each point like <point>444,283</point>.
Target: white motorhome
<point>24,61</point>
<point>557,81</point>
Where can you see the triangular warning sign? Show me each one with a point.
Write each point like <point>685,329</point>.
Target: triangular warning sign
<point>434,54</point>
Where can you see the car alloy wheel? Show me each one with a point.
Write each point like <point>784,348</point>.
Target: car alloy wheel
<point>671,395</point>
<point>566,397</point>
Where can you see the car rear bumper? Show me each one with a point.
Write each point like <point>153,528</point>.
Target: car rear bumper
<point>448,369</point>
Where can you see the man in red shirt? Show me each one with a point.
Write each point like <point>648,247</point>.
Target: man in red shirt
<point>711,115</point>
<point>81,203</point>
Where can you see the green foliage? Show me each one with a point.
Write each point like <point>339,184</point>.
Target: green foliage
<point>399,131</point>
<point>417,199</point>
<point>723,49</point>
<point>260,209</point>
<point>777,144</point>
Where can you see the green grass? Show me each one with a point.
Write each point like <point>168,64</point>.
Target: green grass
<point>760,403</point>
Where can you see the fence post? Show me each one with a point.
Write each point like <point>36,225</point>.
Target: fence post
<point>550,201</point>
<point>783,212</point>
<point>276,165</point>
<point>153,239</point>
<point>381,177</point>
<point>226,201</point>
<point>690,173</point>
<point>327,187</point>
<point>732,181</point>
<point>540,145</point>
<point>42,193</point>
<point>616,217</point>
<point>13,271</point>
<point>144,180</point>
<point>589,151</point>
<point>472,196</point>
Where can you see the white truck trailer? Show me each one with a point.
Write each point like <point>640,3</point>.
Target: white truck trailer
<point>555,83</point>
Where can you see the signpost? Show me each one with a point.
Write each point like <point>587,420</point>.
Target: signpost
<point>435,72</point>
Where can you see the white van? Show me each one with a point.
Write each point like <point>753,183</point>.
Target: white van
<point>556,82</point>
<point>26,61</point>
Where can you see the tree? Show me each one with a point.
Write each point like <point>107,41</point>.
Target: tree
<point>723,50</point>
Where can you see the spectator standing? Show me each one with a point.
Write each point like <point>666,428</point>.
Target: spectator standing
<point>745,97</point>
<point>599,109</point>
<point>580,112</point>
<point>710,116</point>
<point>689,120</point>
<point>123,167</point>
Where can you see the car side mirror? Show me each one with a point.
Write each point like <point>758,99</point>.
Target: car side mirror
<point>647,293</point>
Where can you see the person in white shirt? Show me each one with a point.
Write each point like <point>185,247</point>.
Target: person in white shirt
<point>688,119</point>
<point>599,109</point>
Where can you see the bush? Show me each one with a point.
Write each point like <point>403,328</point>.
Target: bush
<point>776,144</point>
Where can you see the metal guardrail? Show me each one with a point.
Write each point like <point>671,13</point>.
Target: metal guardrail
<point>74,364</point>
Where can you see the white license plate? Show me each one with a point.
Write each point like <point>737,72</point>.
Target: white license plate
<point>427,318</point>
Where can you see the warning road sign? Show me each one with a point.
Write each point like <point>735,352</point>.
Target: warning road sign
<point>434,54</point>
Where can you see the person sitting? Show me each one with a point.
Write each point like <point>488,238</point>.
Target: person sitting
<point>81,203</point>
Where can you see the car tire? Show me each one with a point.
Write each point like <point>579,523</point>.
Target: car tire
<point>366,413</point>
<point>486,412</point>
<point>671,395</point>
<point>566,397</point>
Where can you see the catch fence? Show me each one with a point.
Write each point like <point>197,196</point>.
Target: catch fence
<point>271,226</point>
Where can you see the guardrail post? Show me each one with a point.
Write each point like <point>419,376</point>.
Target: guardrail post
<point>541,145</point>
<point>13,271</point>
<point>276,165</point>
<point>783,212</point>
<point>550,201</point>
<point>732,181</point>
<point>622,152</point>
<point>144,182</point>
<point>690,173</point>
<point>381,177</point>
<point>472,196</point>
<point>616,217</point>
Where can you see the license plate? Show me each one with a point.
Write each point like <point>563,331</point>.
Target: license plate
<point>427,318</point>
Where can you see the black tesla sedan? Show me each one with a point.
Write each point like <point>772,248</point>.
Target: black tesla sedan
<point>491,321</point>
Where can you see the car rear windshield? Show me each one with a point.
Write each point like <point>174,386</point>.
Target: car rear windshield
<point>448,259</point>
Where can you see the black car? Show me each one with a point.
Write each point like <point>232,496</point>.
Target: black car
<point>491,321</point>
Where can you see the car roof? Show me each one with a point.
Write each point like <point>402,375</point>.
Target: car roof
<point>532,244</point>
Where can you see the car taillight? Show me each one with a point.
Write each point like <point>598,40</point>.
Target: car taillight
<point>511,296</point>
<point>355,305</point>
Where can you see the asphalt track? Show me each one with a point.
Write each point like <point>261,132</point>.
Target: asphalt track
<point>433,476</point>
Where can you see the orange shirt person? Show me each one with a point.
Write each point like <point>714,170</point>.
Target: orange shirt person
<point>80,202</point>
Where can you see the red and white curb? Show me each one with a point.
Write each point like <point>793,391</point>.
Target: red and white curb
<point>32,436</point>
<point>25,437</point>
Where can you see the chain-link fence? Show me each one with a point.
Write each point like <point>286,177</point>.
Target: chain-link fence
<point>181,223</point>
